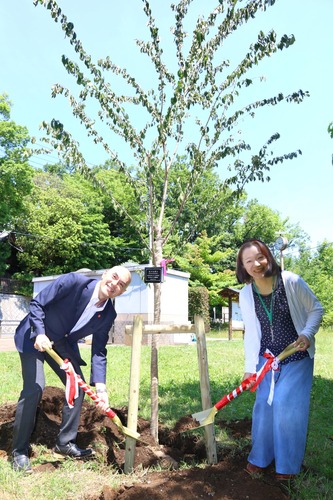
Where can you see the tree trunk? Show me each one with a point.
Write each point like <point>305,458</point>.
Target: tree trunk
<point>154,357</point>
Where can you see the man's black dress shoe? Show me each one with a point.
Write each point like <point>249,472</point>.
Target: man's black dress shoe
<point>21,463</point>
<point>72,450</point>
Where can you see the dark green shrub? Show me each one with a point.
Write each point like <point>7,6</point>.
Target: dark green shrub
<point>198,303</point>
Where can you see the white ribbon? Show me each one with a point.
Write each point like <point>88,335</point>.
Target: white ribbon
<point>274,367</point>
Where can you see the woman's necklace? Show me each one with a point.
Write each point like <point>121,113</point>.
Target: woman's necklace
<point>269,311</point>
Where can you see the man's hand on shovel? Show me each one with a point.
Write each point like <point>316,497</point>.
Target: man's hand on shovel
<point>42,342</point>
<point>103,396</point>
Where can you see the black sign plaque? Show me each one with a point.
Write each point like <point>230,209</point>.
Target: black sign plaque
<point>153,275</point>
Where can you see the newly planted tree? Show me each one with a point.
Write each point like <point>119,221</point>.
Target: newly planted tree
<point>190,109</point>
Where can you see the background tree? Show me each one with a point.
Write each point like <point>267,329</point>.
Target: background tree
<point>262,222</point>
<point>15,179</point>
<point>64,227</point>
<point>126,231</point>
<point>211,207</point>
<point>211,260</point>
<point>208,265</point>
<point>191,110</point>
<point>317,270</point>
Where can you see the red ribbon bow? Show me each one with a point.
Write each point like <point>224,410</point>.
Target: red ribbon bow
<point>72,387</point>
<point>272,363</point>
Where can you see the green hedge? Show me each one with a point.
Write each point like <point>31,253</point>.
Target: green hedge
<point>198,303</point>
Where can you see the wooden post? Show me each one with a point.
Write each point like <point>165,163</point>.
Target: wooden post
<point>133,405</point>
<point>205,387</point>
<point>230,318</point>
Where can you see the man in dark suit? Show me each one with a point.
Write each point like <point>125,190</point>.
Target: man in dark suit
<point>69,309</point>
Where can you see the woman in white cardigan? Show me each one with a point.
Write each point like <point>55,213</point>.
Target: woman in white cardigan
<point>278,308</point>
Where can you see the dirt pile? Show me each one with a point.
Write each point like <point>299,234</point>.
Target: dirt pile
<point>227,480</point>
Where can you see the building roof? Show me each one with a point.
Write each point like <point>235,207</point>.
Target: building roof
<point>232,293</point>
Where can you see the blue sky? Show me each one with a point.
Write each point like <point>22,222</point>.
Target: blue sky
<point>31,45</point>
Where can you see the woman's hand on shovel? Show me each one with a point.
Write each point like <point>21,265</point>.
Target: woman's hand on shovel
<point>252,376</point>
<point>302,343</point>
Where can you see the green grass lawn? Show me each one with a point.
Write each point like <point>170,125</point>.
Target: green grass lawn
<point>179,395</point>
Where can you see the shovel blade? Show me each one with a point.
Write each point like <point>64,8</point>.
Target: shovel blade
<point>125,430</point>
<point>205,417</point>
<point>129,433</point>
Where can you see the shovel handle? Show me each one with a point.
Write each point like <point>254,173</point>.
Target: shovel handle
<point>84,386</point>
<point>236,392</point>
<point>88,390</point>
<point>289,350</point>
<point>53,355</point>
<point>247,383</point>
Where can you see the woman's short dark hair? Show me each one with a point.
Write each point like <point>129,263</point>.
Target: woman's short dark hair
<point>241,273</point>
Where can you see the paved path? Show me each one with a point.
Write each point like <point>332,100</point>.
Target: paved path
<point>7,344</point>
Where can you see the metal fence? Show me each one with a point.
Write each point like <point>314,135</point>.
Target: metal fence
<point>8,285</point>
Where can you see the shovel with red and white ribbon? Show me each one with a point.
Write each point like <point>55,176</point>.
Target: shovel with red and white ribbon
<point>206,417</point>
<point>74,381</point>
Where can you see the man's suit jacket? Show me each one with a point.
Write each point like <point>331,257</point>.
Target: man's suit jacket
<point>55,311</point>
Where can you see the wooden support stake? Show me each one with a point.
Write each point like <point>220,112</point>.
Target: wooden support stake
<point>133,405</point>
<point>205,387</point>
<point>159,329</point>
<point>230,319</point>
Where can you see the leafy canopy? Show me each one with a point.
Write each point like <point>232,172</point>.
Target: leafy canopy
<point>15,175</point>
<point>191,110</point>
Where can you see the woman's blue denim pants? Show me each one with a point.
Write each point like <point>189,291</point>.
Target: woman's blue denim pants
<point>279,431</point>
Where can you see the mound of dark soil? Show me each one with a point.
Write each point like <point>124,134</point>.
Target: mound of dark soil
<point>227,480</point>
